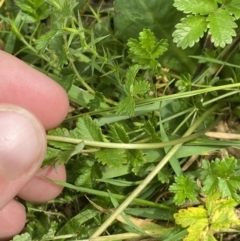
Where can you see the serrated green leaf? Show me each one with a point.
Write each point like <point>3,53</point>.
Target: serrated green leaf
<point>67,8</point>
<point>133,15</point>
<point>95,103</point>
<point>184,188</point>
<point>135,157</point>
<point>147,40</point>
<point>159,49</point>
<point>197,220</point>
<point>51,156</point>
<point>111,157</point>
<point>221,27</point>
<point>233,7</point>
<point>147,49</point>
<point>43,41</point>
<point>196,6</point>
<point>22,237</point>
<point>127,106</point>
<point>130,78</point>
<point>88,174</point>
<point>118,134</point>
<point>150,130</point>
<point>189,31</point>
<point>165,175</point>
<point>220,176</point>
<point>141,87</point>
<point>88,129</point>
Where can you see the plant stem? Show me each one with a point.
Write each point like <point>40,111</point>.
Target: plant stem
<point>149,178</point>
<point>125,145</point>
<point>119,197</point>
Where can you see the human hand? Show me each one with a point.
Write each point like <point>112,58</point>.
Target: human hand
<point>30,103</point>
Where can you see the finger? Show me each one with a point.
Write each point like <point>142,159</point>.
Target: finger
<point>12,220</point>
<point>26,87</point>
<point>22,149</point>
<point>39,189</point>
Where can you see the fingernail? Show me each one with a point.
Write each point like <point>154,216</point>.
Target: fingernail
<point>22,139</point>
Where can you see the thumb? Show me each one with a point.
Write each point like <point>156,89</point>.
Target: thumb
<point>22,149</point>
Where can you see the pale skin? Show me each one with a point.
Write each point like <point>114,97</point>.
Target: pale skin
<point>30,104</point>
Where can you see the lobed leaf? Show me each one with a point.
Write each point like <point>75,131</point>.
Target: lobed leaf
<point>88,173</point>
<point>22,237</point>
<point>233,7</point>
<point>126,105</point>
<point>130,78</point>
<point>196,6</point>
<point>147,49</point>
<point>220,176</point>
<point>190,216</point>
<point>221,27</point>
<point>118,134</point>
<point>184,188</point>
<point>88,129</point>
<point>221,213</point>
<point>141,87</point>
<point>189,31</point>
<point>111,157</point>
<point>135,157</point>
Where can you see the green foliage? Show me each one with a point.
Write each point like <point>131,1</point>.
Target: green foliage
<point>203,222</point>
<point>215,17</point>
<point>137,113</point>
<point>132,87</point>
<point>184,188</point>
<point>34,10</point>
<point>22,237</point>
<point>135,15</point>
<point>88,129</point>
<point>221,175</point>
<point>145,51</point>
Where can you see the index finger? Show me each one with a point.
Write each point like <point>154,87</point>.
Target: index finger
<point>26,87</point>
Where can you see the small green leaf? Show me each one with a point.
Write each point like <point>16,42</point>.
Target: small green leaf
<point>88,173</point>
<point>130,78</point>
<point>94,104</point>
<point>118,134</point>
<point>150,131</point>
<point>141,87</point>
<point>127,106</point>
<point>189,31</point>
<point>224,216</point>
<point>233,7</point>
<point>88,129</point>
<point>165,175</point>
<point>135,157</point>
<point>22,237</point>
<point>196,6</point>
<point>184,188</point>
<point>147,49</point>
<point>221,27</point>
<point>43,41</point>
<point>111,157</point>
<point>221,176</point>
